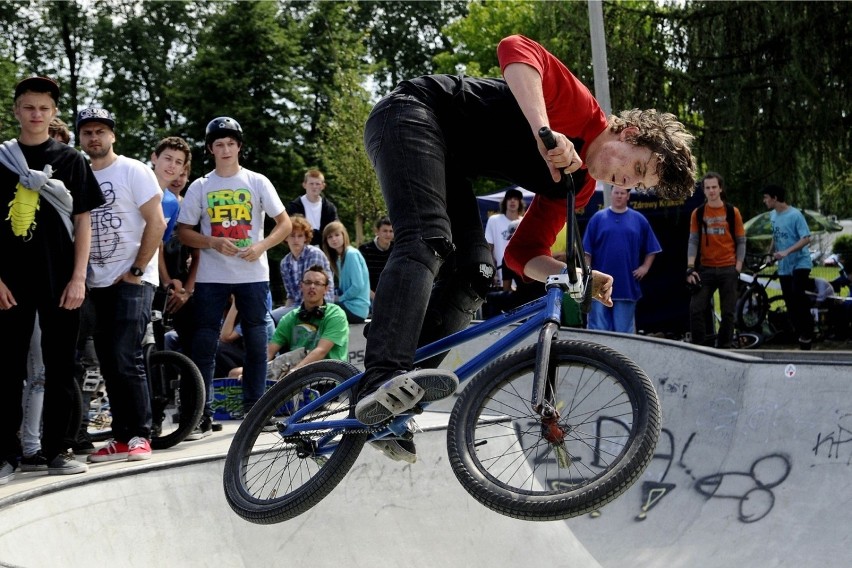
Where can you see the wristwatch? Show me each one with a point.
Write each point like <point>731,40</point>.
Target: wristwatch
<point>136,271</point>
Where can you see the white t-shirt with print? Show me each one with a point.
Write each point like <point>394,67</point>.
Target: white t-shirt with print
<point>235,207</point>
<point>117,225</point>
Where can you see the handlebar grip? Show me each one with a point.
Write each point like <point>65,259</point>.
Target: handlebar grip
<point>546,135</point>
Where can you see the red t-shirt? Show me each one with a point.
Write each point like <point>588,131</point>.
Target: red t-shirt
<point>572,111</point>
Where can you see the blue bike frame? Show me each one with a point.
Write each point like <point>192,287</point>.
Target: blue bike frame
<point>543,314</point>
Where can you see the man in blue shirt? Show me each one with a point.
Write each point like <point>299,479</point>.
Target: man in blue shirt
<point>790,239</point>
<point>619,241</point>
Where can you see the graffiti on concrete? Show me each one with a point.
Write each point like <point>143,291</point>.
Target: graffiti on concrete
<point>836,444</point>
<point>751,489</point>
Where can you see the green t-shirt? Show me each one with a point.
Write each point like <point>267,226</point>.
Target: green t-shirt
<point>292,333</point>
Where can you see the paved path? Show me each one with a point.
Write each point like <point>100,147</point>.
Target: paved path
<point>754,468</point>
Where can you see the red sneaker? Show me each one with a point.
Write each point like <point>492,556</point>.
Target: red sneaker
<point>113,451</point>
<point>140,449</point>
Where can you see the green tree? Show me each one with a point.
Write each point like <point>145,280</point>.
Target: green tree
<point>245,68</point>
<point>770,81</point>
<point>333,77</point>
<point>140,44</point>
<point>403,37</point>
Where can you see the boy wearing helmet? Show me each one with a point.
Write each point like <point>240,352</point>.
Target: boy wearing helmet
<point>222,215</point>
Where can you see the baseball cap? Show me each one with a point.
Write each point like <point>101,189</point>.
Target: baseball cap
<point>93,114</point>
<point>38,85</point>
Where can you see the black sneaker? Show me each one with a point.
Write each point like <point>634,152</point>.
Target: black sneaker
<point>35,462</point>
<point>805,343</point>
<point>63,464</point>
<point>204,429</point>
<point>216,426</point>
<point>83,444</point>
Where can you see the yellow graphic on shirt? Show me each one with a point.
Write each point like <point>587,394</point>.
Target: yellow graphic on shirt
<point>230,212</point>
<point>22,210</point>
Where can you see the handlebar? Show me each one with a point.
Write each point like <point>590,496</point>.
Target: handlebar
<point>573,245</point>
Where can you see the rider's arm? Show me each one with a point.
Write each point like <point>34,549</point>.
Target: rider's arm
<point>534,236</point>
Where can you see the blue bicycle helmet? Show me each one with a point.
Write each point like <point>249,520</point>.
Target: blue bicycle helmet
<point>221,127</point>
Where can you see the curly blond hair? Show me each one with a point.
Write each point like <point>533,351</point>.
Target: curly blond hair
<point>669,141</point>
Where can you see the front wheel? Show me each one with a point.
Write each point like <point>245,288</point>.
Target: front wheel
<point>520,465</point>
<point>270,478</point>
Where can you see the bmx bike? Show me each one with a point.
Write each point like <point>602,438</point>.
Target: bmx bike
<point>547,431</point>
<point>175,387</point>
<point>754,303</point>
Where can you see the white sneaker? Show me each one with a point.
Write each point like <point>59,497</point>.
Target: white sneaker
<point>403,392</point>
<point>7,472</point>
<point>62,464</point>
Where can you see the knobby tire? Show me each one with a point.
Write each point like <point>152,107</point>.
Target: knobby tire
<point>269,478</point>
<point>607,406</point>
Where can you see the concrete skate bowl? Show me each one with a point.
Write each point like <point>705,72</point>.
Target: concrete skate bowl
<point>175,514</point>
<point>752,469</point>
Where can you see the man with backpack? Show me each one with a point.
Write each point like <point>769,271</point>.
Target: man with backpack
<point>715,255</point>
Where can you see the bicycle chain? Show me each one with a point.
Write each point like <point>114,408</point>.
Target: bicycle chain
<point>366,430</point>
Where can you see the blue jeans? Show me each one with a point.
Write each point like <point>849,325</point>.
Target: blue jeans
<point>211,301</point>
<point>33,400</point>
<point>440,268</point>
<point>122,313</point>
<point>620,317</point>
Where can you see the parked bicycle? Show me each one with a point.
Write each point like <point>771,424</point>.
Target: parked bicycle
<point>754,303</point>
<point>175,386</point>
<point>547,431</point>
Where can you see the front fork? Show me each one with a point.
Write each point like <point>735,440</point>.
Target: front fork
<point>544,387</point>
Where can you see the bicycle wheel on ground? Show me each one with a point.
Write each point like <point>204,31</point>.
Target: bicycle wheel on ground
<point>748,340</point>
<point>177,397</point>
<point>752,307</point>
<point>270,478</point>
<point>604,437</point>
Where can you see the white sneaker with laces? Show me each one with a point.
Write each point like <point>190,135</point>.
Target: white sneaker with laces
<point>63,464</point>
<point>138,449</point>
<point>403,392</point>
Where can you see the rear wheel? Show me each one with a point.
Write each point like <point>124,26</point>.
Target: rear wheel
<point>270,478</point>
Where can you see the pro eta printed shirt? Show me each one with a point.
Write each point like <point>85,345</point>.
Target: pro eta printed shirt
<point>233,207</point>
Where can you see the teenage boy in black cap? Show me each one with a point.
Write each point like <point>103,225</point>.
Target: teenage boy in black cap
<point>46,193</point>
<point>123,275</point>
